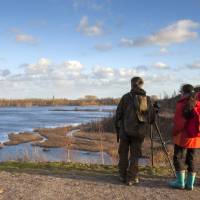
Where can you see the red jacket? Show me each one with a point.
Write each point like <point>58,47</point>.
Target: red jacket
<point>186,132</point>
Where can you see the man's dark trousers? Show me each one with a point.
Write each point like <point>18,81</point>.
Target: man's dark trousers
<point>130,150</point>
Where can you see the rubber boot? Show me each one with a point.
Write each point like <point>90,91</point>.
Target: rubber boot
<point>190,181</point>
<point>179,182</point>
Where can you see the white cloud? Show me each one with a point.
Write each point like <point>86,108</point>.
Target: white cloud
<point>90,30</point>
<point>73,65</point>
<point>48,70</point>
<point>194,65</point>
<point>164,50</point>
<point>162,79</point>
<point>178,32</point>
<point>45,78</point>
<point>41,67</point>
<point>25,38</point>
<point>161,65</point>
<point>129,72</point>
<point>142,68</point>
<point>103,72</point>
<point>103,47</point>
<point>4,72</point>
<point>68,69</point>
<point>127,42</point>
<point>109,73</point>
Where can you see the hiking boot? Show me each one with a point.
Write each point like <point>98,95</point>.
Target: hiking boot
<point>179,182</point>
<point>190,181</point>
<point>135,181</point>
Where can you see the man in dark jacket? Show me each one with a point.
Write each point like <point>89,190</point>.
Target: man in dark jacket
<point>132,115</point>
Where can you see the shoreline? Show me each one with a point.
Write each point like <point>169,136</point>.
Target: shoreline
<point>62,143</point>
<point>68,137</point>
<point>50,111</point>
<point>72,138</point>
<point>32,130</point>
<point>90,140</point>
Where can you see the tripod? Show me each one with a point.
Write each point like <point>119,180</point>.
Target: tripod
<point>164,148</point>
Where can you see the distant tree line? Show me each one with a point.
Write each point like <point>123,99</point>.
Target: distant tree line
<point>88,100</point>
<point>166,102</point>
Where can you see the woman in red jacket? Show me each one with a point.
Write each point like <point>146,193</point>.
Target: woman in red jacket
<point>186,137</point>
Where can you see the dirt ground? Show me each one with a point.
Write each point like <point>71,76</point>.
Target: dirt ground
<point>75,185</point>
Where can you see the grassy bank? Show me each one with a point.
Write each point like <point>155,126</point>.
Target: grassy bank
<point>94,137</point>
<point>62,168</point>
<point>20,138</point>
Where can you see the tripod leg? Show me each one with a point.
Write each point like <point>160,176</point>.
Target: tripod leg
<point>164,148</point>
<point>151,138</point>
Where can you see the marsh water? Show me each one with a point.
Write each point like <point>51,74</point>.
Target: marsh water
<point>19,119</point>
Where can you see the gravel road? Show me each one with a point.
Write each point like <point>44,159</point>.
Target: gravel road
<point>84,186</point>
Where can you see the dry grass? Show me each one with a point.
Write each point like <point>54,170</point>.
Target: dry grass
<point>56,137</point>
<point>106,137</point>
<point>96,141</point>
<point>105,125</point>
<point>30,156</point>
<point>22,138</point>
<point>164,121</point>
<point>84,141</point>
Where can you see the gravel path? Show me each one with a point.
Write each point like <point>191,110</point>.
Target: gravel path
<point>79,185</point>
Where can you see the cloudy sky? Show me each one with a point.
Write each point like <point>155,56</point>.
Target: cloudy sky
<point>70,48</point>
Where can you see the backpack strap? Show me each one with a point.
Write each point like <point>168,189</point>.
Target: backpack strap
<point>131,95</point>
<point>133,100</point>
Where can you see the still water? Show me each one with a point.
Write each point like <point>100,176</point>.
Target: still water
<point>20,119</point>
<point>13,119</point>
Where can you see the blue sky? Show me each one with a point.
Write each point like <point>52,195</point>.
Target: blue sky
<point>70,48</point>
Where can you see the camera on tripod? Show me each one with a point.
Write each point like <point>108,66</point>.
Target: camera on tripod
<point>154,127</point>
<point>156,106</point>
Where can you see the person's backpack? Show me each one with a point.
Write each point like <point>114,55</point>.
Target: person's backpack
<point>141,106</point>
<point>136,114</point>
<point>190,105</point>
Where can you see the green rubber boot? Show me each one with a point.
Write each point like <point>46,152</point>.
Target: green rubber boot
<point>179,182</point>
<point>190,181</point>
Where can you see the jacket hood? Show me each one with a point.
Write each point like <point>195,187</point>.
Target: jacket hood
<point>138,91</point>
